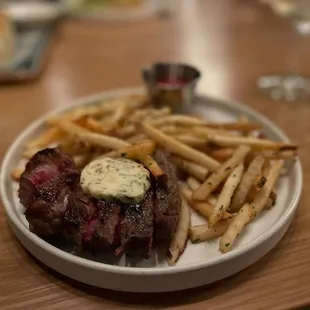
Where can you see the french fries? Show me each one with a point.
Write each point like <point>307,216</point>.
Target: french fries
<point>249,211</point>
<point>238,126</point>
<point>49,136</point>
<point>230,168</point>
<point>189,140</point>
<point>154,168</point>
<point>103,141</point>
<point>81,160</point>
<point>247,180</point>
<point>179,148</point>
<point>29,152</point>
<point>193,183</point>
<point>235,227</point>
<point>202,208</point>
<point>221,173</point>
<point>98,110</point>
<point>182,120</point>
<point>120,115</point>
<point>139,150</point>
<point>201,233</point>
<point>222,154</point>
<point>233,141</point>
<point>191,168</point>
<point>92,125</point>
<point>261,198</point>
<point>224,198</point>
<point>180,237</point>
<point>16,173</point>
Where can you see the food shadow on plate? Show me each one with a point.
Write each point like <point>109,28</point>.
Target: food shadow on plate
<point>157,257</point>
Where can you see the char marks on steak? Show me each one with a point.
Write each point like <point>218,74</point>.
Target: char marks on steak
<point>48,179</point>
<point>168,200</point>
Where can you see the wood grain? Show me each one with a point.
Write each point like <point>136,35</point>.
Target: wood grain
<point>233,42</point>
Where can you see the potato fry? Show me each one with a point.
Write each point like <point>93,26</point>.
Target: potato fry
<point>201,233</point>
<point>126,131</point>
<point>236,226</point>
<point>273,199</point>
<point>222,154</point>
<point>154,168</point>
<point>191,168</point>
<point>29,152</point>
<point>224,198</point>
<point>16,173</point>
<point>230,141</point>
<point>244,120</point>
<point>193,183</point>
<point>246,183</point>
<point>92,125</point>
<point>72,128</point>
<point>98,109</point>
<point>137,138</point>
<point>179,148</point>
<point>102,140</point>
<point>281,155</point>
<point>189,140</point>
<point>206,132</point>
<point>249,211</point>
<point>150,113</point>
<point>173,130</point>
<point>202,208</point>
<point>121,113</point>
<point>81,160</point>
<point>182,120</point>
<point>221,173</point>
<point>49,136</point>
<point>238,126</point>
<point>180,237</point>
<point>143,148</point>
<point>261,198</point>
<point>257,185</point>
<point>73,146</point>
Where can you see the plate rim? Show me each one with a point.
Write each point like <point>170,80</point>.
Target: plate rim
<point>138,271</point>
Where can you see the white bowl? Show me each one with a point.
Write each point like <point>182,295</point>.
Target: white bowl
<point>201,263</point>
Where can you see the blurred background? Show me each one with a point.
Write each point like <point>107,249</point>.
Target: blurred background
<point>52,52</point>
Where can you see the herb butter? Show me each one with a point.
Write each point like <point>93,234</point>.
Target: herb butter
<point>118,179</point>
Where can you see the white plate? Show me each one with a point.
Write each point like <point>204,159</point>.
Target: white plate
<point>201,263</point>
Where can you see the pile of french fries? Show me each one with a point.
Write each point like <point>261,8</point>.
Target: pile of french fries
<point>227,171</point>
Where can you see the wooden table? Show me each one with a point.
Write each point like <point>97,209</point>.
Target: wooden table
<point>233,42</point>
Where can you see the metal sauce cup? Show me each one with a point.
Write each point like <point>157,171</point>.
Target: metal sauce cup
<point>171,84</point>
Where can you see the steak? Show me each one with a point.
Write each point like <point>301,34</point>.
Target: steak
<point>136,228</point>
<point>57,206</point>
<point>168,200</point>
<point>48,179</point>
<point>91,223</point>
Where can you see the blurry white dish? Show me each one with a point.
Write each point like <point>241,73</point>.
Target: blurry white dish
<point>33,13</point>
<point>201,263</point>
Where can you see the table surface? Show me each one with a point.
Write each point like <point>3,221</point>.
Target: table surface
<point>233,42</point>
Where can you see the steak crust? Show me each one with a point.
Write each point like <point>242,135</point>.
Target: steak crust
<point>168,201</point>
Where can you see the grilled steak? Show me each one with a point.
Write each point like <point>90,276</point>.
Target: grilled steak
<point>168,201</point>
<point>91,223</point>
<point>56,204</point>
<point>136,228</point>
<point>48,179</point>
